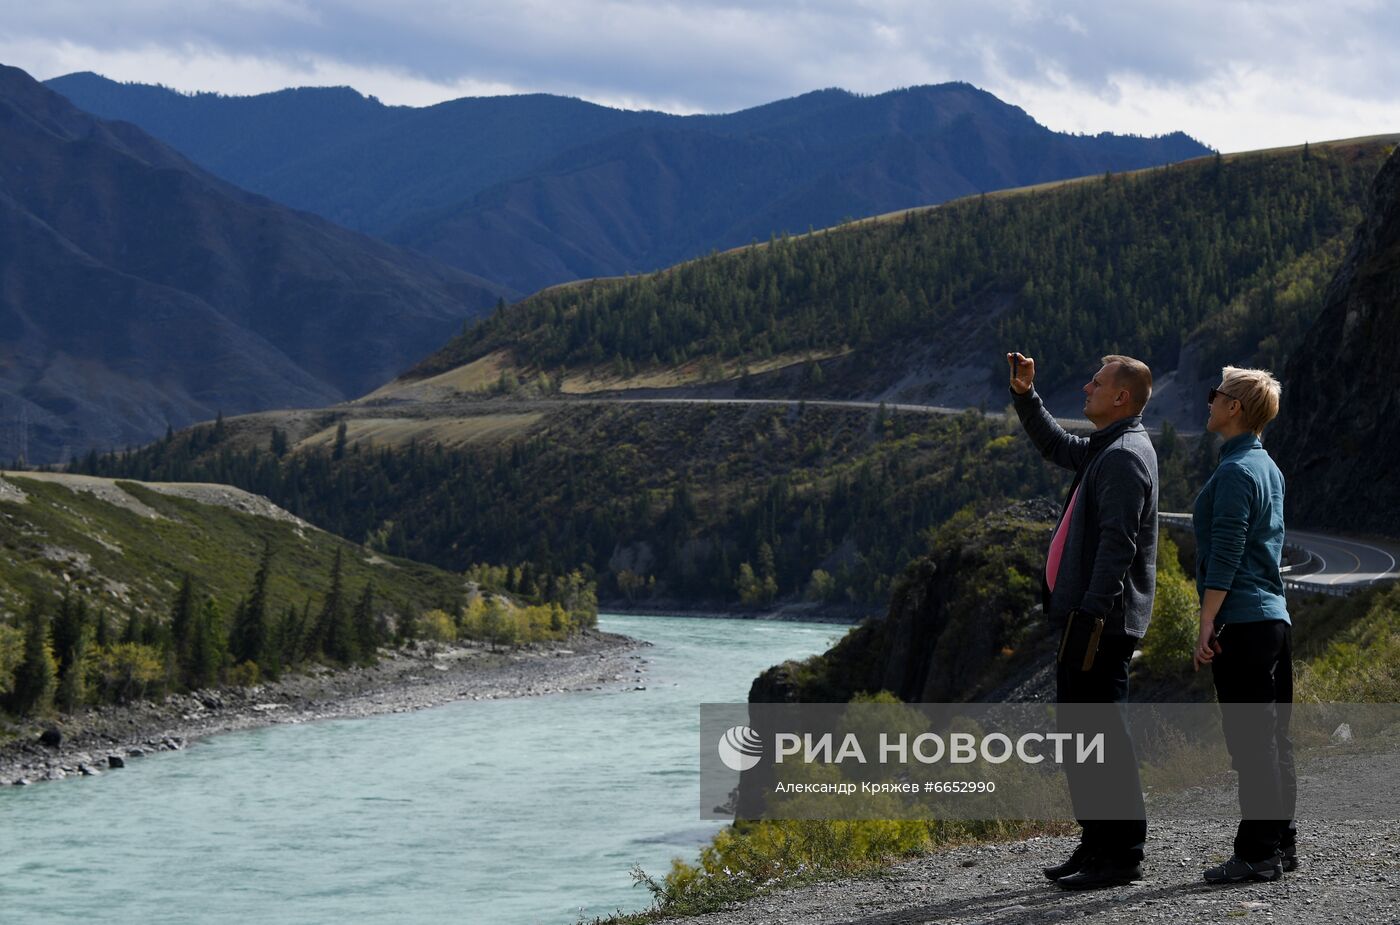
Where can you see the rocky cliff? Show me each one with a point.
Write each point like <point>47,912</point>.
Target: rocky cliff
<point>963,622</point>
<point>1338,431</point>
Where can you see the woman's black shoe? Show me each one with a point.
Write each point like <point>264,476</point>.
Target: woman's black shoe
<point>1074,865</point>
<point>1098,875</point>
<point>1236,870</point>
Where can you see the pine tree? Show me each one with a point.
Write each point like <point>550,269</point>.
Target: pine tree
<point>182,619</point>
<point>249,640</point>
<point>340,437</point>
<point>36,676</point>
<point>334,624</point>
<point>72,689</point>
<point>367,636</point>
<point>286,639</point>
<point>206,647</point>
<point>102,630</point>
<point>69,627</point>
<point>132,633</point>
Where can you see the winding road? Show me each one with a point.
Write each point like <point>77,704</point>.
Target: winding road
<point>1331,564</point>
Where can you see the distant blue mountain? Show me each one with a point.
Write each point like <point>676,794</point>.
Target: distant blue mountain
<point>138,291</point>
<point>527,191</point>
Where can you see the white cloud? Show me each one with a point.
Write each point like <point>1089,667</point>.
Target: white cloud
<point>1237,75</point>
<point>193,68</point>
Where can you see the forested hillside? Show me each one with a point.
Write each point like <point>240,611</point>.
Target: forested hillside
<point>1231,251</point>
<point>1339,428</point>
<point>111,591</point>
<point>681,504</point>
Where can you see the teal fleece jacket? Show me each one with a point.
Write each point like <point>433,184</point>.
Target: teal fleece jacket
<point>1238,521</point>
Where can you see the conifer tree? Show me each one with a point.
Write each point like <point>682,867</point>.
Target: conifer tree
<point>286,638</point>
<point>69,626</point>
<point>102,629</point>
<point>206,647</point>
<point>72,689</point>
<point>367,636</point>
<point>182,618</point>
<point>36,677</point>
<point>132,633</point>
<point>334,625</point>
<point>338,452</point>
<point>249,640</point>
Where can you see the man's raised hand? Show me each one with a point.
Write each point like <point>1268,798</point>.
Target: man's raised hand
<point>1022,372</point>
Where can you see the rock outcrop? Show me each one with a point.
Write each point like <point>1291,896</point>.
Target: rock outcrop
<point>1338,432</point>
<point>963,619</point>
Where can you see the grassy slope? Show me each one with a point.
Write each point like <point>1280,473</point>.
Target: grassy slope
<point>60,539</point>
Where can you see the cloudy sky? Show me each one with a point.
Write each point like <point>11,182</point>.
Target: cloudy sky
<point>1237,75</point>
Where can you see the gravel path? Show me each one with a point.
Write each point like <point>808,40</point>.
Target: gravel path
<point>400,682</point>
<point>1349,874</point>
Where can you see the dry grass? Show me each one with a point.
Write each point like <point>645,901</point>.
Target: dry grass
<point>454,431</point>
<point>476,376</point>
<point>584,382</point>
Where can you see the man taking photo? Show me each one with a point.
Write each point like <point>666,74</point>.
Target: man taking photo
<point>1098,584</point>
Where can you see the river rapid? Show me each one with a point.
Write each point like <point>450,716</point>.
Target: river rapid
<point>504,812</point>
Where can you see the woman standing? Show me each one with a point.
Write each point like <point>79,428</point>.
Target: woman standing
<point>1246,634</point>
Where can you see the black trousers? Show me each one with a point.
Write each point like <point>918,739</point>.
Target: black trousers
<point>1116,784</point>
<point>1254,683</point>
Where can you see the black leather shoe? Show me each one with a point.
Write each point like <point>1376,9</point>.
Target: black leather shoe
<point>1074,865</point>
<point>1099,875</point>
<point>1236,870</point>
<point>1290,860</point>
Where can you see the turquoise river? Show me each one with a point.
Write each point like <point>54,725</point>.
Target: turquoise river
<point>505,812</point>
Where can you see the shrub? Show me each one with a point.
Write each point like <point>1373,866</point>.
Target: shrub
<point>1166,649</point>
<point>437,629</point>
<point>125,669</point>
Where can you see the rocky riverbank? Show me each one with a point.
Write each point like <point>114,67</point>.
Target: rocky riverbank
<point>99,740</point>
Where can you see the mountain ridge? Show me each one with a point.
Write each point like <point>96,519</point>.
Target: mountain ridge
<point>534,190</point>
<point>140,292</point>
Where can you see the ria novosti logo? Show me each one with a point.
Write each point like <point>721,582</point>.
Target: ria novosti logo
<point>740,748</point>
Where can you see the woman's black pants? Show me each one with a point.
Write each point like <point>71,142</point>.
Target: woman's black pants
<point>1254,684</point>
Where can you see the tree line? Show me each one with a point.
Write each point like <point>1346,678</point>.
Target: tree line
<point>695,504</point>
<point>65,654</point>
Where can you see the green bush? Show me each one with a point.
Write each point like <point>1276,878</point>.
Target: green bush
<point>1361,662</point>
<point>126,669</point>
<point>1171,637</point>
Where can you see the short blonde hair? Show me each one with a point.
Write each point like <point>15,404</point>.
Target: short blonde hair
<point>1134,376</point>
<point>1256,390</point>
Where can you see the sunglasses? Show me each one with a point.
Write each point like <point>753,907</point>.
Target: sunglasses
<point>1215,392</point>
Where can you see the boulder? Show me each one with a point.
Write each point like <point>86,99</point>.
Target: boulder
<point>116,761</point>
